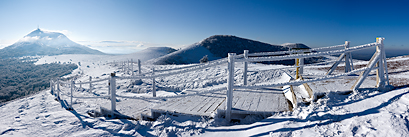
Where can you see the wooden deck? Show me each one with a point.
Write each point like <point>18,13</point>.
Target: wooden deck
<point>244,102</point>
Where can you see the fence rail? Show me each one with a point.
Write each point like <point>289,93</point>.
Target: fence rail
<point>294,51</point>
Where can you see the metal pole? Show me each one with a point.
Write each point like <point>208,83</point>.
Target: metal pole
<point>113,94</point>
<point>230,82</point>
<point>246,56</point>
<point>153,83</point>
<point>301,63</point>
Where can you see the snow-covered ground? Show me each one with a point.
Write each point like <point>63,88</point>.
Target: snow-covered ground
<point>336,113</point>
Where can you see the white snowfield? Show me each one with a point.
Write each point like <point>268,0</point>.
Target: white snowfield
<point>336,112</point>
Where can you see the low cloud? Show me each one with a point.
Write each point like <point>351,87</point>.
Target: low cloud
<point>65,32</point>
<point>29,39</point>
<point>35,38</point>
<point>110,42</point>
<point>119,47</point>
<point>3,46</point>
<point>6,42</point>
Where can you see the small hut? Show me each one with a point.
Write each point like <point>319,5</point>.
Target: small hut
<point>295,46</point>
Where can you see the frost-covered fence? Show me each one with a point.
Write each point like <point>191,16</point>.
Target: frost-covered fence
<point>300,65</point>
<point>151,75</point>
<point>72,88</point>
<point>378,59</point>
<point>128,66</point>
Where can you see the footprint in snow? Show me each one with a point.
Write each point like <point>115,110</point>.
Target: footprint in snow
<point>17,119</point>
<point>59,121</point>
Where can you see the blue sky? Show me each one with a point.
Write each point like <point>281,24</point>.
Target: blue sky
<point>127,26</point>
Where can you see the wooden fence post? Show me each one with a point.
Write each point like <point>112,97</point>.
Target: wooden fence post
<point>72,89</point>
<point>132,67</point>
<point>380,72</point>
<point>376,58</point>
<point>51,87</point>
<point>153,83</point>
<point>113,94</point>
<point>230,84</point>
<point>109,87</point>
<point>90,84</point>
<point>351,61</point>
<point>123,66</point>
<point>246,56</point>
<point>347,58</point>
<point>58,89</point>
<point>127,68</point>
<point>139,66</point>
<point>385,63</point>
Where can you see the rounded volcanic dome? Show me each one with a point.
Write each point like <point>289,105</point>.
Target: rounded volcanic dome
<point>295,46</point>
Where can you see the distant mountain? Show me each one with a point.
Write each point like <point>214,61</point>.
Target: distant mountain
<point>41,42</point>
<point>215,47</point>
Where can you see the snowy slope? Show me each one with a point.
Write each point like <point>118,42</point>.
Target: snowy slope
<point>97,65</point>
<point>336,113</point>
<point>190,54</point>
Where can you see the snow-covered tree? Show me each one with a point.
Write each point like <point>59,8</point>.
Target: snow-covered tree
<point>204,59</point>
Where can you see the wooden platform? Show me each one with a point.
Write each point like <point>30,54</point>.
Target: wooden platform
<point>244,102</point>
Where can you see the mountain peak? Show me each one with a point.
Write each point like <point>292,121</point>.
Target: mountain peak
<point>221,45</point>
<point>42,34</point>
<point>38,31</point>
<point>216,47</point>
<point>42,42</point>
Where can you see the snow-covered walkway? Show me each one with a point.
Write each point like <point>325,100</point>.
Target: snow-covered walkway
<point>336,113</point>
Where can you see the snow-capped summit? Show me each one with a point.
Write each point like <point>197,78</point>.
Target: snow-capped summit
<point>47,38</point>
<point>42,34</point>
<point>40,42</point>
